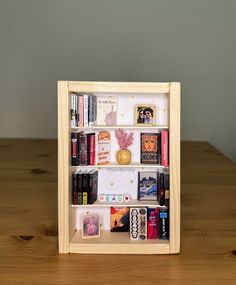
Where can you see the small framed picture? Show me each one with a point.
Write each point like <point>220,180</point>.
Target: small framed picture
<point>90,226</point>
<point>145,115</point>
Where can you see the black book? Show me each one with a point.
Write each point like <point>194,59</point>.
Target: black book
<point>80,188</point>
<point>93,186</point>
<point>74,189</point>
<point>167,191</point>
<point>163,223</point>
<point>85,187</point>
<point>161,189</point>
<point>74,149</point>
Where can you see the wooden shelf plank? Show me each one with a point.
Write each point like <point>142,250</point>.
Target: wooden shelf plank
<point>122,127</point>
<point>116,165</point>
<point>117,243</point>
<point>131,203</point>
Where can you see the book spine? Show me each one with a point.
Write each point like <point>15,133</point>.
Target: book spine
<point>83,145</point>
<point>167,191</point>
<point>134,224</point>
<point>163,224</point>
<point>94,110</point>
<point>81,111</point>
<point>77,110</point>
<point>74,149</point>
<point>138,186</point>
<point>152,223</point>
<point>73,114</point>
<point>161,190</point>
<point>164,148</point>
<point>92,149</point>
<point>74,189</point>
<point>159,148</point>
<point>90,110</point>
<point>85,110</point>
<point>85,188</point>
<point>142,223</point>
<point>93,183</point>
<point>80,188</point>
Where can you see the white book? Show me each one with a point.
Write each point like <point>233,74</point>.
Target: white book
<point>73,117</point>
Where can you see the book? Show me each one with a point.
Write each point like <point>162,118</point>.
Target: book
<point>161,190</point>
<point>80,187</point>
<point>147,186</point>
<point>163,223</point>
<point>81,111</point>
<point>92,149</point>
<point>85,110</point>
<point>119,219</point>
<point>73,110</point>
<point>164,148</point>
<point>85,187</point>
<point>104,147</point>
<point>74,188</point>
<point>75,149</point>
<point>152,223</point>
<point>83,149</point>
<point>93,186</point>
<point>138,223</point>
<point>166,189</point>
<point>106,110</point>
<point>150,150</point>
<point>91,110</point>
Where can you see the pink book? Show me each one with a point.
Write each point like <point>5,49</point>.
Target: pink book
<point>81,111</point>
<point>164,148</point>
<point>92,150</point>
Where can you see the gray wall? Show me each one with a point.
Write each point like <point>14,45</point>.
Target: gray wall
<point>131,40</point>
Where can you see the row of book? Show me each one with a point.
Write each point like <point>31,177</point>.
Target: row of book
<point>153,186</point>
<point>83,110</point>
<point>154,148</point>
<point>142,222</point>
<point>84,187</point>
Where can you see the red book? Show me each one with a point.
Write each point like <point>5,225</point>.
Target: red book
<point>164,148</point>
<point>81,111</point>
<point>152,223</point>
<point>92,149</point>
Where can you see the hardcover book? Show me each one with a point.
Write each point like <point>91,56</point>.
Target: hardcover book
<point>74,188</point>
<point>81,111</point>
<point>104,147</point>
<point>75,149</point>
<point>163,223</point>
<point>164,148</point>
<point>138,223</point>
<point>85,110</point>
<point>150,148</point>
<point>147,186</point>
<point>85,187</point>
<point>93,186</point>
<point>80,187</point>
<point>106,110</point>
<point>152,223</point>
<point>119,219</point>
<point>83,152</point>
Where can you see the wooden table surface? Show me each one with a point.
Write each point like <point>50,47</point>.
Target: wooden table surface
<point>28,224</point>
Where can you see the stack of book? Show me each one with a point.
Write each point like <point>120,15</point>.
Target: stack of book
<point>83,110</point>
<point>82,149</point>
<point>84,187</point>
<point>142,222</point>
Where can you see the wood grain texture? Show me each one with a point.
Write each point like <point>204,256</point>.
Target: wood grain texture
<point>28,224</point>
<point>124,87</point>
<point>65,230</point>
<point>174,155</point>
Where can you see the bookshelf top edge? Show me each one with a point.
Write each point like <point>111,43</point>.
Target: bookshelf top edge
<point>124,87</point>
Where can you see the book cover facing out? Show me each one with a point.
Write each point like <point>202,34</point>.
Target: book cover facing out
<point>119,219</point>
<point>150,148</point>
<point>147,186</point>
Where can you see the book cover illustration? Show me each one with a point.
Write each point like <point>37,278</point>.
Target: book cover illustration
<point>147,186</point>
<point>150,148</point>
<point>152,223</point>
<point>107,111</point>
<point>104,147</point>
<point>119,219</point>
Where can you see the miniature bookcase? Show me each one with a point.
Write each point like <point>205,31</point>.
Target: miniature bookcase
<point>114,178</point>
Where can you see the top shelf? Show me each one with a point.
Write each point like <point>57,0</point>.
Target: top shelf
<point>121,127</point>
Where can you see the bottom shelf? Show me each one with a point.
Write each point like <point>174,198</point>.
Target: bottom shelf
<point>117,243</point>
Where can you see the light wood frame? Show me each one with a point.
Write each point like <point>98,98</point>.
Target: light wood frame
<point>68,237</point>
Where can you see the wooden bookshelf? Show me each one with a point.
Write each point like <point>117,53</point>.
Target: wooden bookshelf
<point>70,239</point>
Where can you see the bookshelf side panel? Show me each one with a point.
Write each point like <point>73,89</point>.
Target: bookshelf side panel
<point>63,166</point>
<point>174,139</point>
